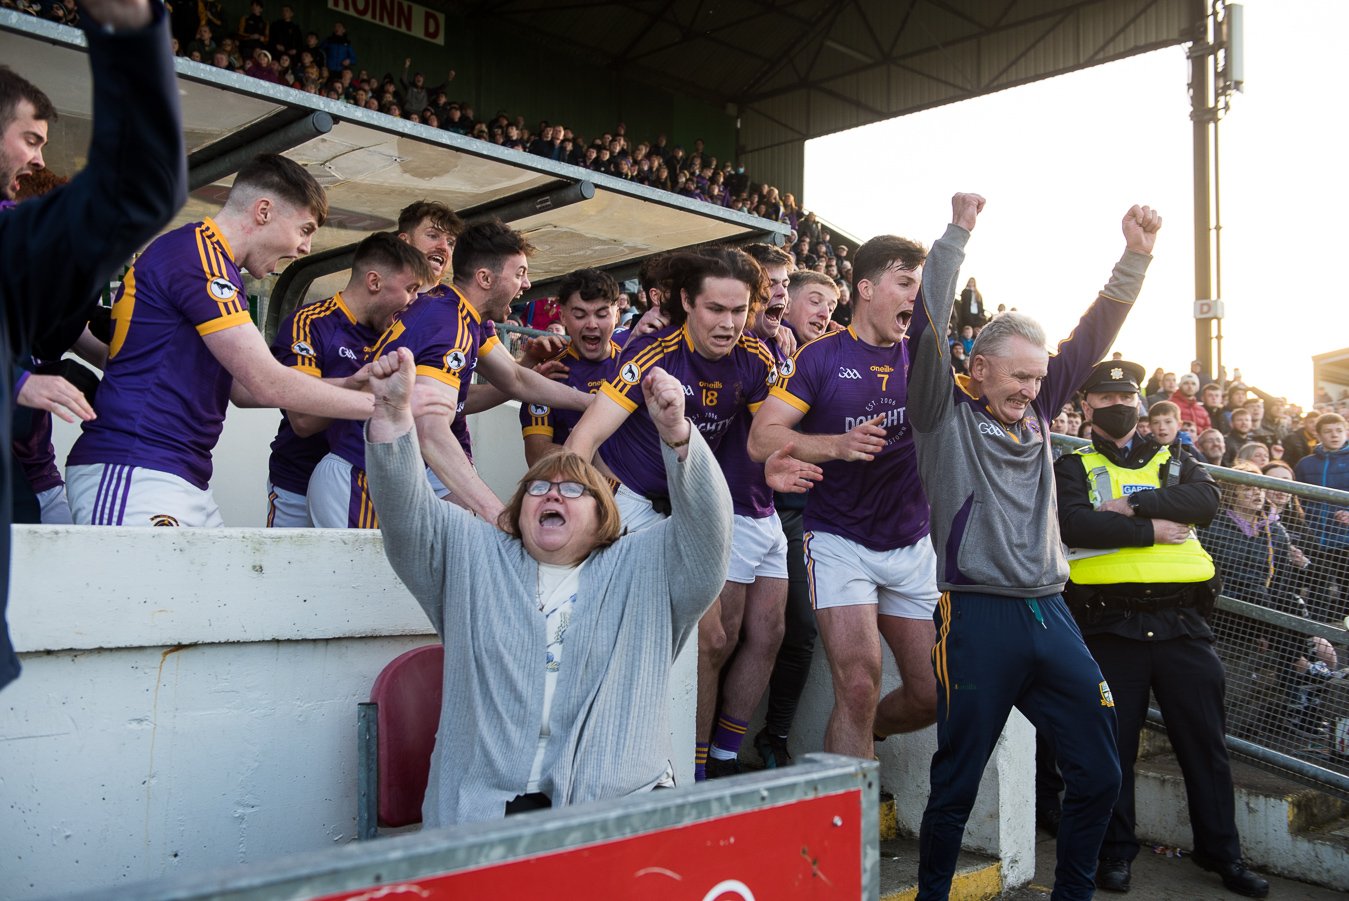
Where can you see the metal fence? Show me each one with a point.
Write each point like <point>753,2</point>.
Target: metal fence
<point>1280,624</point>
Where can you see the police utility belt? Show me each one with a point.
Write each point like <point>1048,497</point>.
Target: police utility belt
<point>1159,564</point>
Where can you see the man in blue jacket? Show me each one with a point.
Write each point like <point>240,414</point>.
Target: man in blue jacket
<point>120,200</point>
<point>1328,466</point>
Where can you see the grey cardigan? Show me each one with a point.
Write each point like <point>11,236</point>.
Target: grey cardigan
<point>639,600</point>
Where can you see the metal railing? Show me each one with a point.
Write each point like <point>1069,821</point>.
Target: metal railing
<point>805,829</point>
<point>1279,625</point>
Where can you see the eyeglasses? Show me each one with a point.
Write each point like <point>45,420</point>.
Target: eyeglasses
<point>540,487</point>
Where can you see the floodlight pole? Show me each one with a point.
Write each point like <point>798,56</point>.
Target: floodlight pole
<point>1215,73</point>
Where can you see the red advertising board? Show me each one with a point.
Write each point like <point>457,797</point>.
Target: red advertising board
<point>803,849</point>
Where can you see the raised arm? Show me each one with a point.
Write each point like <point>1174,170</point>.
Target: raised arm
<point>525,384</point>
<point>1096,330</point>
<point>419,531</point>
<point>267,383</point>
<point>446,456</point>
<point>596,425</point>
<point>930,373</point>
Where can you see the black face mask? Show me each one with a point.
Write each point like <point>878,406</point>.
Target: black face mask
<point>1117,420</point>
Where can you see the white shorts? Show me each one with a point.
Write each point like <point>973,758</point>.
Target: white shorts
<point>55,507</point>
<point>286,509</point>
<point>842,573</point>
<point>634,511</point>
<point>338,497</point>
<point>758,550</point>
<point>114,494</point>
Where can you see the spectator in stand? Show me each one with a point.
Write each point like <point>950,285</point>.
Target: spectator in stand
<point>1164,391</point>
<point>338,53</point>
<point>1256,452</point>
<point>1239,434</point>
<point>252,30</point>
<point>970,311</point>
<point>285,35</point>
<point>416,93</point>
<point>203,44</point>
<point>1301,441</point>
<point>1164,429</point>
<point>1328,466</point>
<point>261,66</point>
<point>1212,446</point>
<point>1187,401</point>
<point>1212,396</point>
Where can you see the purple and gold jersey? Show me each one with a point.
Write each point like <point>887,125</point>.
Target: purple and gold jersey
<point>715,393</point>
<point>323,340</point>
<point>446,336</point>
<point>750,494</point>
<point>162,402</point>
<point>583,375</point>
<point>839,381</point>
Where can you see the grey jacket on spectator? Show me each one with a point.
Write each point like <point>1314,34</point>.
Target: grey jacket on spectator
<point>639,601</point>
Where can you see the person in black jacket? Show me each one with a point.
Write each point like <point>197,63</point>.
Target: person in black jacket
<point>122,198</point>
<point>1139,588</point>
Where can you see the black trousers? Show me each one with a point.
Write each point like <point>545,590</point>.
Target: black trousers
<point>1187,678</point>
<point>792,667</point>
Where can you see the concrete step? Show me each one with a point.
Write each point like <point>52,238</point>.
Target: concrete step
<point>977,878</point>
<point>1285,827</point>
<point>1157,877</point>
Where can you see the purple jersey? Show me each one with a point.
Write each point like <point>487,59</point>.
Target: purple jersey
<point>32,444</point>
<point>162,401</point>
<point>323,340</point>
<point>839,381</point>
<point>583,375</point>
<point>750,494</point>
<point>446,336</point>
<point>715,393</point>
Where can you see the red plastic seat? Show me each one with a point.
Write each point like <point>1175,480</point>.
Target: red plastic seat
<point>406,711</point>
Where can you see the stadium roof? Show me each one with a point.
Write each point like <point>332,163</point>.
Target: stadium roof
<point>798,69</point>
<point>373,165</point>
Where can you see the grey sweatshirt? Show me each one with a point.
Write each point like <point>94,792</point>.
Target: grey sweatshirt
<point>638,602</point>
<point>995,521</point>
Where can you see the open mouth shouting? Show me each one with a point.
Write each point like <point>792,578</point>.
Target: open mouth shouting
<point>772,316</point>
<point>438,260</point>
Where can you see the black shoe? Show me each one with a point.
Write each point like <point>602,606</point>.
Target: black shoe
<point>772,749</point>
<point>1236,876</point>
<point>1112,874</point>
<point>717,769</point>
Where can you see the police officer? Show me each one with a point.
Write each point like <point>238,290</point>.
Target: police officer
<point>1140,586</point>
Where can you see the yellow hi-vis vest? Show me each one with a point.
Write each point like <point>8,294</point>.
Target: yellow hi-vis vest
<point>1160,563</point>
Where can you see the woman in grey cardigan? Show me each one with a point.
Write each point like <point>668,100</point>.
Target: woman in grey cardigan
<point>529,718</point>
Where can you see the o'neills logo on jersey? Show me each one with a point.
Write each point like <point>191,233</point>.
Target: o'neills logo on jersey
<point>223,288</point>
<point>455,360</point>
<point>716,386</point>
<point>630,373</point>
<point>302,350</point>
<point>882,369</point>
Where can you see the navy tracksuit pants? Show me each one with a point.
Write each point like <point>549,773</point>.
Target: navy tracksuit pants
<point>994,653</point>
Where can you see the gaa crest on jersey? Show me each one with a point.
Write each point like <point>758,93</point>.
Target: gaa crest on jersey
<point>786,368</point>
<point>538,409</point>
<point>222,288</point>
<point>630,373</point>
<point>455,360</point>
<point>302,349</point>
<point>164,520</point>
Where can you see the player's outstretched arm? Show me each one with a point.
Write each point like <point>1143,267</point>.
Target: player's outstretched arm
<point>267,383</point>
<point>446,457</point>
<point>774,428</point>
<point>596,425</point>
<point>527,385</point>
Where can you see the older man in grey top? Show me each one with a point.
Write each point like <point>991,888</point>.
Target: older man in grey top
<point>1004,636</point>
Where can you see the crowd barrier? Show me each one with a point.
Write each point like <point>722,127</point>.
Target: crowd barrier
<point>808,830</point>
<point>1280,630</point>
